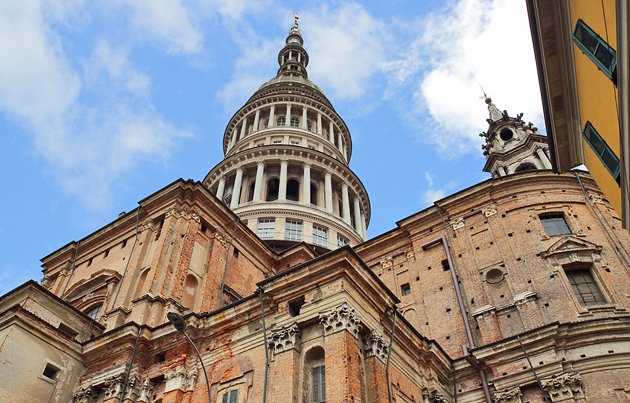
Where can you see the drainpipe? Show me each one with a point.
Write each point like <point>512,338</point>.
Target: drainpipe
<point>518,337</point>
<point>262,313</point>
<point>133,355</point>
<point>462,308</point>
<point>389,353</point>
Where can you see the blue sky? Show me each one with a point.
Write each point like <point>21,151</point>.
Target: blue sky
<point>104,102</point>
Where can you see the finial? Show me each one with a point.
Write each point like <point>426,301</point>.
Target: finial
<point>485,96</point>
<point>295,17</point>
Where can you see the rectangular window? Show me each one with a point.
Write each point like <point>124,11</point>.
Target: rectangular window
<point>319,384</point>
<point>50,371</point>
<point>584,286</point>
<point>405,289</point>
<point>230,396</point>
<point>320,236</point>
<point>555,224</point>
<point>603,151</point>
<point>266,228</point>
<point>341,241</point>
<point>293,230</point>
<point>593,46</point>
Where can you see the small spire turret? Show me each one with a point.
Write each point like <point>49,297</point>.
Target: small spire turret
<point>293,58</point>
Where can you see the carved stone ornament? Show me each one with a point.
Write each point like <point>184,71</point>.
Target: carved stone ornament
<point>437,397</point>
<point>567,385</point>
<point>285,338</point>
<point>510,395</point>
<point>340,318</point>
<point>376,345</point>
<point>147,224</point>
<point>66,269</point>
<point>113,386</point>
<point>489,211</point>
<point>47,282</point>
<point>84,394</point>
<point>387,262</point>
<point>221,239</point>
<point>458,223</point>
<point>180,378</point>
<point>146,390</point>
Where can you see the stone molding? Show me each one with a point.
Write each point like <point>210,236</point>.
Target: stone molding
<point>146,390</point>
<point>508,395</point>
<point>181,378</point>
<point>186,212</point>
<point>84,394</point>
<point>489,210</point>
<point>433,397</point>
<point>112,389</point>
<point>567,385</point>
<point>376,346</point>
<point>341,317</point>
<point>457,223</point>
<point>285,338</point>
<point>47,281</point>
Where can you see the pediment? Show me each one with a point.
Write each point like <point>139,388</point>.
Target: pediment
<point>96,281</point>
<point>571,244</point>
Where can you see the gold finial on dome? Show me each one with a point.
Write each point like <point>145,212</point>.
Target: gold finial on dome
<point>295,17</point>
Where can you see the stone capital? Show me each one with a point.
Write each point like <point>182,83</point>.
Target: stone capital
<point>84,394</point>
<point>261,163</point>
<point>489,210</point>
<point>342,317</point>
<point>509,395</point>
<point>376,345</point>
<point>564,386</point>
<point>181,378</point>
<point>457,223</point>
<point>285,338</point>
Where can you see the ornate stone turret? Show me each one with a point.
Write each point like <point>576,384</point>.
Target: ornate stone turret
<point>286,170</point>
<point>512,145</point>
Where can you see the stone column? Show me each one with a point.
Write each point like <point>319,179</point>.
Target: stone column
<point>376,348</point>
<point>304,119</point>
<point>345,152</point>
<point>363,227</point>
<point>339,142</point>
<point>284,345</point>
<point>328,192</point>
<point>331,132</point>
<point>236,189</point>
<point>357,215</point>
<point>319,124</point>
<point>341,330</point>
<point>243,128</point>
<point>260,169</point>
<point>288,115</point>
<point>306,184</point>
<point>346,203</point>
<point>502,171</point>
<point>234,137</point>
<point>272,119</point>
<point>543,158</point>
<point>221,188</point>
<point>282,189</point>
<point>256,119</point>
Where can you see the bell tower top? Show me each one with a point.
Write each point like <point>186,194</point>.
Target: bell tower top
<point>293,58</point>
<point>512,145</point>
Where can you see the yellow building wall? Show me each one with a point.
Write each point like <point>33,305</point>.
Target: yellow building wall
<point>597,93</point>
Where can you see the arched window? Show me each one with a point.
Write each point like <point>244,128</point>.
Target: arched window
<point>313,194</point>
<point>309,126</point>
<point>190,288</point>
<point>528,166</point>
<point>272,189</point>
<point>94,312</point>
<point>250,195</point>
<point>293,190</point>
<point>295,122</point>
<point>266,124</point>
<point>281,121</point>
<point>315,375</point>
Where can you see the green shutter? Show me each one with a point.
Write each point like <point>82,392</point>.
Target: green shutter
<point>593,46</point>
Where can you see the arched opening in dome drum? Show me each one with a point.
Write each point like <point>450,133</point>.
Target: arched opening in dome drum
<point>525,167</point>
<point>272,189</point>
<point>313,194</point>
<point>293,190</point>
<point>506,134</point>
<point>281,121</point>
<point>250,194</point>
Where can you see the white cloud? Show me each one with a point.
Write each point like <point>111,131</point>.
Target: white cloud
<point>472,43</point>
<point>90,128</point>
<point>347,47</point>
<point>432,195</point>
<point>167,21</point>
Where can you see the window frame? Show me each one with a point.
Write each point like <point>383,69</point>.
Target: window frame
<point>611,70</point>
<point>320,236</point>
<point>551,216</point>
<point>599,296</point>
<point>318,390</point>
<point>294,122</point>
<point>614,172</point>
<point>341,241</point>
<point>271,228</point>
<point>293,234</point>
<point>227,396</point>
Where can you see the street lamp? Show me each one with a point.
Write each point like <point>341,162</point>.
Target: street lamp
<point>179,323</point>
